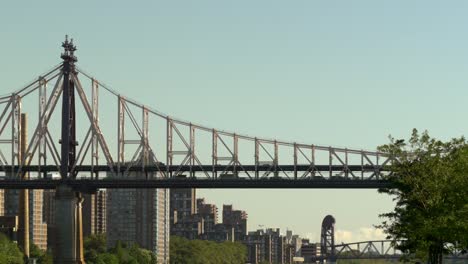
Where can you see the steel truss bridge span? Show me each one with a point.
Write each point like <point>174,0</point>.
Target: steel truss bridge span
<point>379,249</point>
<point>114,142</point>
<point>374,249</point>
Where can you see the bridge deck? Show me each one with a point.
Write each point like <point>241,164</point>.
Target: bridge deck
<point>270,183</point>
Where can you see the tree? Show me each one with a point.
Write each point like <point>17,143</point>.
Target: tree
<point>140,255</point>
<point>9,251</point>
<point>106,258</point>
<point>430,186</point>
<point>42,256</point>
<point>94,245</point>
<point>206,252</point>
<point>97,253</point>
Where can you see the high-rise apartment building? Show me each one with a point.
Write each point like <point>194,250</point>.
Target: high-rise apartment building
<point>192,218</point>
<point>275,248</point>
<point>37,225</point>
<point>296,241</point>
<point>49,216</point>
<point>94,213</point>
<point>139,216</point>
<point>237,220</point>
<point>184,221</point>
<point>268,246</point>
<point>310,251</point>
<point>209,214</point>
<point>255,242</point>
<point>183,204</point>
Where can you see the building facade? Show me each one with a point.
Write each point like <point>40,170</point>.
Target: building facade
<point>209,214</point>
<point>37,225</point>
<point>268,246</point>
<point>94,212</point>
<point>237,220</point>
<point>183,204</point>
<point>139,216</point>
<point>310,251</point>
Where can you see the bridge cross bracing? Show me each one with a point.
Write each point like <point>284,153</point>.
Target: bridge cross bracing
<point>118,136</point>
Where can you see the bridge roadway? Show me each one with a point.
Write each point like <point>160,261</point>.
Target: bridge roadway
<point>87,184</point>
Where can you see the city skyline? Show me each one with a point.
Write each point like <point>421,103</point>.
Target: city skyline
<point>330,92</point>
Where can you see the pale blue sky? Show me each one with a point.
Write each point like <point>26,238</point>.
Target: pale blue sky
<point>343,73</point>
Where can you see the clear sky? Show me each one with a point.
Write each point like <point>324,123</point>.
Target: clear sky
<point>341,73</point>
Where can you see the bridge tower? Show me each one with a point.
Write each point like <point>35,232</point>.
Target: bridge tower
<point>69,238</point>
<point>327,239</point>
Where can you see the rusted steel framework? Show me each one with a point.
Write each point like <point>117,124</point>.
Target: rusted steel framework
<point>130,141</point>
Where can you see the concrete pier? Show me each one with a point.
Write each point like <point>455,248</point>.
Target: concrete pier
<point>69,241</point>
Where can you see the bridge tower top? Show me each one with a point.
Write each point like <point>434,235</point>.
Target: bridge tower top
<point>69,50</point>
<point>68,108</point>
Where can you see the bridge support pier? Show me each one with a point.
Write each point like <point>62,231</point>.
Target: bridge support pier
<point>69,236</point>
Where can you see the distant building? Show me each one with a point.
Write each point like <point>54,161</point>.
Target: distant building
<point>310,251</point>
<point>219,233</point>
<point>237,220</point>
<point>139,216</point>
<point>266,246</point>
<point>37,226</point>
<point>275,249</point>
<point>190,227</point>
<point>94,212</point>
<point>289,235</point>
<point>192,218</point>
<point>9,227</point>
<point>289,253</point>
<point>296,241</point>
<point>49,216</point>
<point>256,242</point>
<point>209,214</point>
<point>183,204</point>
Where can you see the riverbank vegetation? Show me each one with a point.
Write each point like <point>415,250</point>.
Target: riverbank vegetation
<point>430,186</point>
<point>184,251</point>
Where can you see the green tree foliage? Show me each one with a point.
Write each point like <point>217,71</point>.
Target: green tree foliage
<point>9,251</point>
<point>106,258</point>
<point>206,252</point>
<point>430,187</point>
<point>94,246</point>
<point>42,257</point>
<point>97,253</point>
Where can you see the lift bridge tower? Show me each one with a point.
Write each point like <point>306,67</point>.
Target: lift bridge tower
<point>327,239</point>
<point>69,234</point>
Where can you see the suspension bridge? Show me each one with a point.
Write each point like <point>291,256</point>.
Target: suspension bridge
<point>99,138</point>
